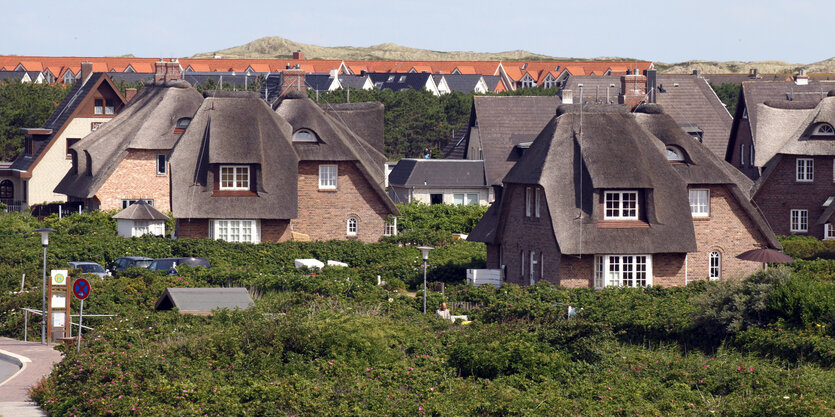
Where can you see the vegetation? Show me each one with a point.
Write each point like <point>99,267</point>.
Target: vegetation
<point>335,343</point>
<point>24,105</point>
<point>729,95</point>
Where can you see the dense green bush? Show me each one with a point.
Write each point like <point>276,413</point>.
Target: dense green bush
<point>808,247</point>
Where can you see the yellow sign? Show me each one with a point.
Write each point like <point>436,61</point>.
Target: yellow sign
<point>59,276</point>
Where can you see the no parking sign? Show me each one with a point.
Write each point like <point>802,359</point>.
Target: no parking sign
<point>81,288</point>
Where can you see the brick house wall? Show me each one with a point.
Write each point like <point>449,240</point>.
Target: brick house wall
<point>728,230</point>
<point>781,193</point>
<point>741,135</point>
<point>136,178</point>
<point>323,213</point>
<point>523,234</point>
<point>272,230</point>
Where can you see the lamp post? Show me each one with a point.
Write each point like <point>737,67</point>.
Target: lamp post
<point>44,242</point>
<point>425,250</point>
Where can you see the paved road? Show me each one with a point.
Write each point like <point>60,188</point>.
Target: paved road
<point>36,360</point>
<point>7,369</point>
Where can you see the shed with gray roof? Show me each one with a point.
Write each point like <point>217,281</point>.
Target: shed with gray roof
<point>433,181</point>
<point>202,301</point>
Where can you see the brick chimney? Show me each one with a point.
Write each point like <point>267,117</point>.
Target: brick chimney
<point>633,90</point>
<point>129,94</point>
<point>567,96</point>
<point>298,55</point>
<point>292,80</point>
<point>86,71</point>
<point>167,71</point>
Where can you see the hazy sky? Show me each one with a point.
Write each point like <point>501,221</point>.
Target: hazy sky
<point>797,31</point>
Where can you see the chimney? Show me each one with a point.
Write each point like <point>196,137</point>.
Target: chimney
<point>333,73</point>
<point>129,94</point>
<point>292,80</point>
<point>298,55</point>
<point>697,73</point>
<point>753,73</point>
<point>652,81</point>
<point>167,71</point>
<point>801,78</point>
<point>633,90</point>
<point>86,71</point>
<point>159,72</point>
<point>567,97</point>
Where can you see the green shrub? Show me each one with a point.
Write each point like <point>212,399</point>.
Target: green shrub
<point>808,247</point>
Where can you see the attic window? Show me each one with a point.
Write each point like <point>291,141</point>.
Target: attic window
<point>390,79</point>
<point>675,154</point>
<point>183,122</point>
<point>304,135</point>
<point>824,129</point>
<point>402,79</point>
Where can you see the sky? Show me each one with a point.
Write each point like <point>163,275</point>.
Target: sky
<point>663,31</point>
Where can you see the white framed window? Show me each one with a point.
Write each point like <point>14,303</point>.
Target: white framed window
<point>234,177</point>
<point>351,229</point>
<point>162,164</point>
<point>751,155</point>
<point>458,199</point>
<point>533,263</point>
<point>126,202</point>
<point>675,154</point>
<point>829,231</point>
<point>527,201</point>
<point>327,177</point>
<point>620,205</point>
<point>536,203</point>
<point>235,230</point>
<point>622,270</point>
<point>824,129</point>
<point>472,199</point>
<point>715,267</point>
<point>390,228</point>
<point>304,135</point>
<point>805,170</point>
<point>700,202</point>
<point>799,220</point>
<point>522,269</point>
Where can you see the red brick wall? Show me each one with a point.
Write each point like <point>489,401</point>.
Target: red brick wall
<point>781,193</point>
<point>742,135</point>
<point>136,177</point>
<point>525,234</point>
<point>323,214</point>
<point>271,230</point>
<point>576,272</point>
<point>729,230</point>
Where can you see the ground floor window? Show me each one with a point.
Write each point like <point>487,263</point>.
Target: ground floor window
<point>461,199</point>
<point>715,270</point>
<point>247,231</point>
<point>390,227</point>
<point>622,271</point>
<point>829,231</point>
<point>352,227</point>
<point>799,220</point>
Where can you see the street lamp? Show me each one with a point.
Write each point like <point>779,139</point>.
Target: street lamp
<point>44,242</point>
<point>425,250</point>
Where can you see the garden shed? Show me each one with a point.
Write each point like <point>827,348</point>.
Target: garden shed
<point>140,218</point>
<point>201,301</point>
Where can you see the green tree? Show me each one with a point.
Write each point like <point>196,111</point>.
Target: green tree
<point>729,94</point>
<point>24,105</point>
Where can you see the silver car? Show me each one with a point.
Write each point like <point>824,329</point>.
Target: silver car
<point>90,268</point>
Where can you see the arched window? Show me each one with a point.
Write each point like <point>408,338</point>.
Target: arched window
<point>715,271</point>
<point>304,135</point>
<point>352,226</point>
<point>824,129</point>
<point>674,153</point>
<point>6,190</point>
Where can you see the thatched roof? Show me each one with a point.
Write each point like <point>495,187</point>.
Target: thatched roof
<point>146,123</point>
<point>336,142</point>
<point>235,128</point>
<point>617,150</point>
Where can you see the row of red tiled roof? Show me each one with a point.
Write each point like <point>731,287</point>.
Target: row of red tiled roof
<point>514,70</point>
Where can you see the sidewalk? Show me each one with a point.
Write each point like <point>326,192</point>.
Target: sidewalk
<point>35,361</point>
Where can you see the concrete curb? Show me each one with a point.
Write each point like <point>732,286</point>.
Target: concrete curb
<point>14,358</point>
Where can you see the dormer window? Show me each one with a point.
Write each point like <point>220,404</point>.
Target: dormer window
<point>824,129</point>
<point>102,106</point>
<point>620,205</point>
<point>675,154</point>
<point>234,177</point>
<point>304,135</point>
<point>69,77</point>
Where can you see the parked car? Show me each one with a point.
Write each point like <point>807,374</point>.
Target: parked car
<point>90,268</point>
<point>170,264</point>
<point>129,261</point>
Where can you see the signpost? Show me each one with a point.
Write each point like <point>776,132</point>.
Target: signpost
<point>58,310</point>
<point>81,290</point>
